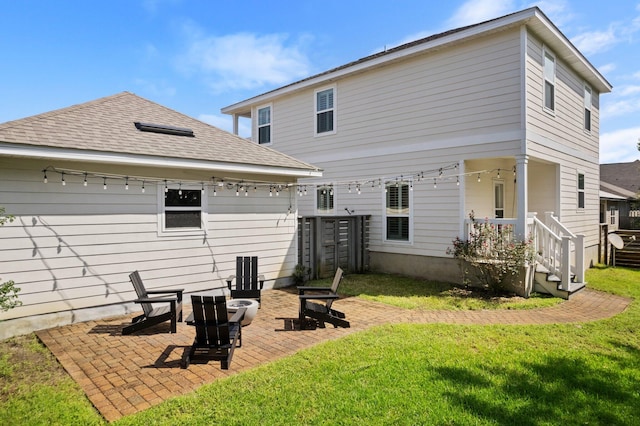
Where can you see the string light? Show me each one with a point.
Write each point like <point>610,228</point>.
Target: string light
<point>435,184</point>
<point>63,181</point>
<point>410,179</point>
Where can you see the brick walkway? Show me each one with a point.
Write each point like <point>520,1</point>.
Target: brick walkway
<point>122,375</point>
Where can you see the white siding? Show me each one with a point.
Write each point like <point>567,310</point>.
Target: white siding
<point>419,115</point>
<point>560,138</point>
<point>73,247</point>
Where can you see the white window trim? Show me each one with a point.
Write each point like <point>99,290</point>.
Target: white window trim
<point>589,107</point>
<point>331,212</point>
<point>384,216</point>
<point>334,109</point>
<point>545,52</point>
<point>162,229</point>
<point>583,191</point>
<point>257,139</point>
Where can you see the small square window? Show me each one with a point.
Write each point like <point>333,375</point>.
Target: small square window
<point>182,208</point>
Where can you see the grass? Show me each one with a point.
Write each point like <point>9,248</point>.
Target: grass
<point>402,374</point>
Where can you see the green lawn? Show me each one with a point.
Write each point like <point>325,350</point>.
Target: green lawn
<point>403,374</point>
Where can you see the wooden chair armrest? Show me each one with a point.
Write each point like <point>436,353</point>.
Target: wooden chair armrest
<point>261,279</point>
<point>319,296</point>
<point>238,315</point>
<point>156,300</point>
<point>302,289</point>
<point>178,292</point>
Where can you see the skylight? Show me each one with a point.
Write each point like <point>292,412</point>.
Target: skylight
<point>163,128</point>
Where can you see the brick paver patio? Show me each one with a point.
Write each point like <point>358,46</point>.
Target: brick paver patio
<point>122,375</point>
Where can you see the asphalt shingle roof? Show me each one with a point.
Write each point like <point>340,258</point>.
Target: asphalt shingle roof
<point>107,125</point>
<point>623,175</point>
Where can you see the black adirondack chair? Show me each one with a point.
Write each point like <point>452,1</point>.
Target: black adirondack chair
<point>217,335</point>
<point>155,309</point>
<point>248,284</point>
<point>321,312</point>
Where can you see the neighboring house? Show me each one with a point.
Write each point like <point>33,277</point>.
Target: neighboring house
<point>619,189</point>
<point>119,184</point>
<point>500,118</point>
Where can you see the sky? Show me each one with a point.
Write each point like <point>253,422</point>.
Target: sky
<point>198,56</point>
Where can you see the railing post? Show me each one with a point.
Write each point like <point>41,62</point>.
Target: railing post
<point>566,262</point>
<point>579,258</point>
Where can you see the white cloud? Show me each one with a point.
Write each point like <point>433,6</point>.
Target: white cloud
<point>246,60</point>
<point>619,146</point>
<point>607,68</point>
<point>592,42</point>
<point>556,10</point>
<point>474,11</point>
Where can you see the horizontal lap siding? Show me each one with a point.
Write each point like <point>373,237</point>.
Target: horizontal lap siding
<point>561,139</point>
<point>73,247</point>
<point>427,103</point>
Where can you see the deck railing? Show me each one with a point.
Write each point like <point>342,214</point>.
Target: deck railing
<point>557,249</point>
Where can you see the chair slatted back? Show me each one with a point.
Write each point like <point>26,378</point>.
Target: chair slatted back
<point>247,273</point>
<point>136,280</point>
<point>334,286</point>
<point>211,320</point>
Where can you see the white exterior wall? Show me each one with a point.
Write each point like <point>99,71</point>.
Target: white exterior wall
<point>73,247</point>
<point>418,115</point>
<point>560,138</point>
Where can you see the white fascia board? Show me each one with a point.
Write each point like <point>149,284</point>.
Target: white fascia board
<point>24,151</point>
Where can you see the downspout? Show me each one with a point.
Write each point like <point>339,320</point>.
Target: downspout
<point>522,159</point>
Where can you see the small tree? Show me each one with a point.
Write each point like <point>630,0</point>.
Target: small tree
<point>492,254</point>
<point>8,290</point>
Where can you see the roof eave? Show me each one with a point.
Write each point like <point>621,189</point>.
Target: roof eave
<point>24,151</point>
<point>551,32</point>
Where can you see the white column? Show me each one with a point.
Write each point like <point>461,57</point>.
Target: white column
<point>235,124</point>
<point>521,190</point>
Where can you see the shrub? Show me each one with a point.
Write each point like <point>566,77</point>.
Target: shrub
<point>492,254</point>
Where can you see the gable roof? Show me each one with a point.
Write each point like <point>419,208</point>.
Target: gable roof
<point>621,175</point>
<point>105,130</point>
<point>536,21</point>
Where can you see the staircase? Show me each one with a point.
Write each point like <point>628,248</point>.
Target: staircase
<point>559,257</point>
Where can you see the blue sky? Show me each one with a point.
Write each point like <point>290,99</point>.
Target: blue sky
<point>197,56</point>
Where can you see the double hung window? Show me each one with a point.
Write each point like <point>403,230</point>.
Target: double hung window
<point>397,211</point>
<point>587,108</point>
<point>325,111</point>
<point>580,190</point>
<point>264,125</point>
<point>182,208</point>
<point>549,81</point>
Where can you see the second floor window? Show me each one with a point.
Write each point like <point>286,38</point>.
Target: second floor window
<point>325,111</point>
<point>264,125</point>
<point>549,81</point>
<point>587,108</point>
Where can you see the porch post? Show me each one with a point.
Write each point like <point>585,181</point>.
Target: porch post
<point>235,124</point>
<point>521,190</point>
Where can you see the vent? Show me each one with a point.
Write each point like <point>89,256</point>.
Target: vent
<point>162,128</point>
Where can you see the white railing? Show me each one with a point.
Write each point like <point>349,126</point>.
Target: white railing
<point>558,249</point>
